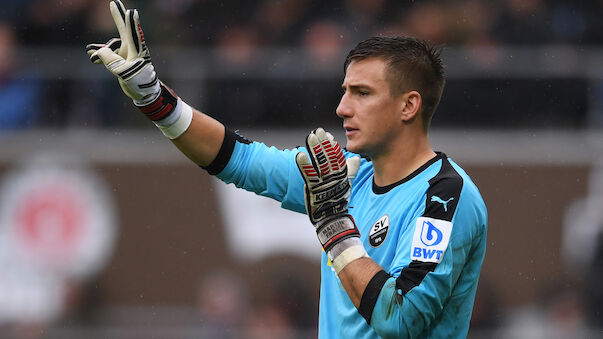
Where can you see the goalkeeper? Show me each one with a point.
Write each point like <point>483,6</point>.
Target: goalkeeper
<point>403,228</point>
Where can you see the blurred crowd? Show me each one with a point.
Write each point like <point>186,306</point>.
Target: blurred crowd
<point>320,31</point>
<point>305,22</point>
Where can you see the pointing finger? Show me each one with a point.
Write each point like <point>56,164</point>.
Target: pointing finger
<point>118,11</point>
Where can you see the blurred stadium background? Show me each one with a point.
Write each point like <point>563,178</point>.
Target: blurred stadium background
<point>106,231</point>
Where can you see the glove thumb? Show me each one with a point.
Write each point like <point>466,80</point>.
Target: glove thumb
<point>353,164</point>
<point>110,59</point>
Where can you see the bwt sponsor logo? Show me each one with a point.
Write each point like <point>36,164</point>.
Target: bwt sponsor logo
<point>427,254</point>
<point>431,239</point>
<point>430,235</point>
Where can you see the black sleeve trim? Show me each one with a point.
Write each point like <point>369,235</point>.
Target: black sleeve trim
<point>371,293</point>
<point>412,275</point>
<point>223,157</point>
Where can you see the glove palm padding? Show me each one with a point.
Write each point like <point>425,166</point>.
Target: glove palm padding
<point>326,174</point>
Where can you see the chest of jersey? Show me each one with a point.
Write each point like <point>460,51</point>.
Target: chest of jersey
<point>387,220</point>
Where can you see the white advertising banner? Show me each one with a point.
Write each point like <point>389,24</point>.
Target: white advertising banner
<point>257,227</point>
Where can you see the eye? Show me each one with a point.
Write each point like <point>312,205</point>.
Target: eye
<point>363,93</point>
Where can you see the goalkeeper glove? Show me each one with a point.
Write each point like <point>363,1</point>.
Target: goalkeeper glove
<point>327,177</point>
<point>128,58</point>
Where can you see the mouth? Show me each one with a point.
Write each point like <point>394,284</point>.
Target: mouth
<point>350,130</point>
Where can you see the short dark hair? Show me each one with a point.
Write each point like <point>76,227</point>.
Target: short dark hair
<point>412,64</point>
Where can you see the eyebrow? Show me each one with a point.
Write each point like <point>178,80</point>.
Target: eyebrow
<point>356,87</point>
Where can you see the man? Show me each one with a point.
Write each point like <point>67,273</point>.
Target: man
<point>404,243</point>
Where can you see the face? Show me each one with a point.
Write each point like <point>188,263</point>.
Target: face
<point>371,115</point>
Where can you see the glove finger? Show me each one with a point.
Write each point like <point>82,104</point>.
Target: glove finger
<point>353,164</point>
<point>109,58</point>
<point>336,164</point>
<point>322,139</point>
<point>140,43</point>
<point>118,11</point>
<point>128,39</point>
<point>307,170</point>
<point>137,47</point>
<point>321,134</point>
<point>93,48</point>
<point>336,159</point>
<point>317,156</point>
<point>330,136</point>
<point>332,159</point>
<point>95,59</point>
<point>114,44</point>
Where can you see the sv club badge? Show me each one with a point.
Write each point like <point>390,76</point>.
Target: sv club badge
<point>378,231</point>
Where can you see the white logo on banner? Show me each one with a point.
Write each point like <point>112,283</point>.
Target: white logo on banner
<point>57,222</point>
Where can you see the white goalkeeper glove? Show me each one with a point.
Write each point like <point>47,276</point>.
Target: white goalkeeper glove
<point>327,176</point>
<point>128,58</point>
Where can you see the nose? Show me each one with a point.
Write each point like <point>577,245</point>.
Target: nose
<point>343,109</point>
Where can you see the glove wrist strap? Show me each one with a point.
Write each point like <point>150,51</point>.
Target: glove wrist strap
<point>178,122</point>
<point>334,230</point>
<point>168,112</point>
<point>160,107</point>
<point>340,238</point>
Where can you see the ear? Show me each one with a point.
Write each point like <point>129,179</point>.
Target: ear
<point>411,104</point>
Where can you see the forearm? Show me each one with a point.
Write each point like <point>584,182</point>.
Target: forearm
<point>366,284</point>
<point>202,139</point>
<point>356,276</point>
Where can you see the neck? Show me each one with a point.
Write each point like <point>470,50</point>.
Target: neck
<point>404,157</point>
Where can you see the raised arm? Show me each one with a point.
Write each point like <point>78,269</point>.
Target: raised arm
<point>197,135</point>
<point>202,139</point>
<point>252,166</point>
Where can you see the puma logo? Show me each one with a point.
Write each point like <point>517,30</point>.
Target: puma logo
<point>443,202</point>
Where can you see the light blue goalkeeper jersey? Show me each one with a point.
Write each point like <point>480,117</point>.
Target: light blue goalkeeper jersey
<point>428,232</point>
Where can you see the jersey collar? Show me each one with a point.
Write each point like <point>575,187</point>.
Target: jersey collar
<point>384,189</point>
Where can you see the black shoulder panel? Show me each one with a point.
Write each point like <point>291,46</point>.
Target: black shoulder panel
<point>443,193</point>
<point>442,198</point>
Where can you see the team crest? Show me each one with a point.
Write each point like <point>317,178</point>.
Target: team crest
<point>379,231</point>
